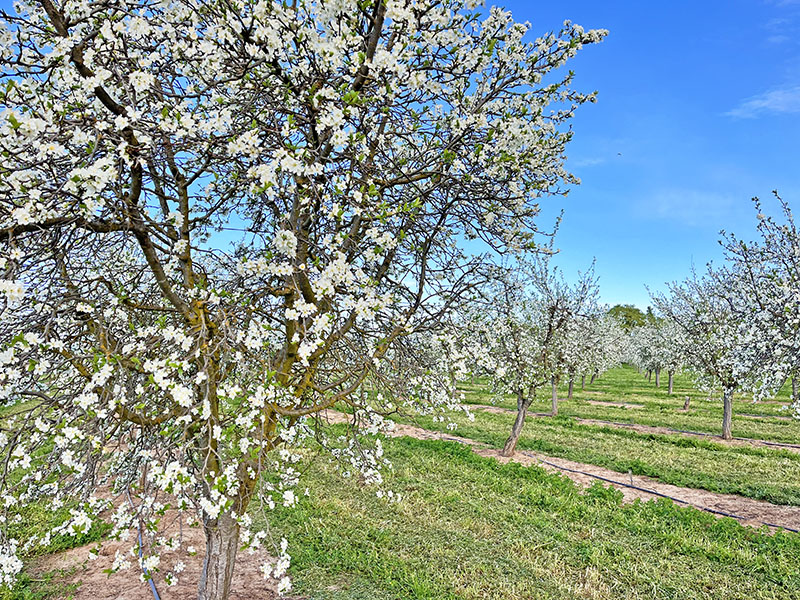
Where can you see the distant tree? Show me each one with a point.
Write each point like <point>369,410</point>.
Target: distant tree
<point>593,345</point>
<point>524,330</point>
<point>671,348</point>
<point>628,315</point>
<point>657,347</point>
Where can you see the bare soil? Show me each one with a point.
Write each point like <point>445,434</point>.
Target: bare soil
<point>77,568</point>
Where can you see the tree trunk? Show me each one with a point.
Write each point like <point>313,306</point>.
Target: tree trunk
<point>795,391</point>
<point>222,541</point>
<point>594,376</point>
<point>569,392</point>
<point>727,413</point>
<point>686,403</point>
<point>671,382</point>
<point>658,377</point>
<point>554,402</point>
<point>522,410</point>
<point>583,382</point>
<point>649,376</point>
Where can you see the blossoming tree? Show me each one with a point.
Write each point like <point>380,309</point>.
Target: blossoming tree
<point>708,317</point>
<point>769,290</point>
<point>659,345</point>
<point>594,344</point>
<point>219,218</point>
<point>525,330</point>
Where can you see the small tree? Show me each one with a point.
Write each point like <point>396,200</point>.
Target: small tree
<point>704,312</point>
<point>671,350</point>
<point>220,219</point>
<point>593,345</point>
<point>658,347</point>
<point>524,335</point>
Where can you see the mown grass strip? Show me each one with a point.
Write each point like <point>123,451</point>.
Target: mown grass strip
<point>472,528</point>
<point>766,474</point>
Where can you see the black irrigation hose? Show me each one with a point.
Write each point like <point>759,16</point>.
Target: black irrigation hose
<point>655,493</point>
<point>141,552</point>
<point>634,487</point>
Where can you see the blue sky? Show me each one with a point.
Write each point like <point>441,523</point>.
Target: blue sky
<point>698,111</point>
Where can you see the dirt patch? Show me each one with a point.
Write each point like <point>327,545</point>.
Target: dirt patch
<point>248,581</point>
<point>746,510</point>
<point>615,404</point>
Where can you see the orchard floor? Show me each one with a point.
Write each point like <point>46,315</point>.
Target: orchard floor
<point>473,526</point>
<point>80,578</point>
<point>747,511</point>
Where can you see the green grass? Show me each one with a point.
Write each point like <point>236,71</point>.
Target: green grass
<point>36,519</point>
<point>763,473</point>
<point>46,586</point>
<point>760,473</point>
<point>472,528</point>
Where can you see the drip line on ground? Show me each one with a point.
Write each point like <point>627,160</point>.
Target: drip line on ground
<point>659,494</point>
<point>635,487</point>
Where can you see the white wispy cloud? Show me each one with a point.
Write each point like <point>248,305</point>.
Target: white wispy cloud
<point>693,207</point>
<point>785,100</point>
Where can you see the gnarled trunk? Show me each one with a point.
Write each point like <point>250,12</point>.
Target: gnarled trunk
<point>686,403</point>
<point>522,411</point>
<point>671,382</point>
<point>554,402</point>
<point>571,385</point>
<point>222,542</point>
<point>658,377</point>
<point>727,413</point>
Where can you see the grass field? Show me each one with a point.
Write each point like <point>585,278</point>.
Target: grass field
<point>471,528</point>
<point>771,474</point>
